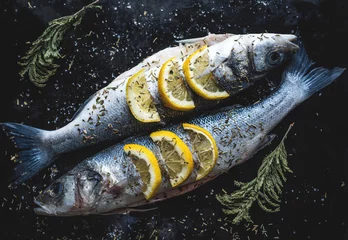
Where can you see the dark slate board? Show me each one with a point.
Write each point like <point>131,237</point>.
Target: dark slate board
<point>315,196</point>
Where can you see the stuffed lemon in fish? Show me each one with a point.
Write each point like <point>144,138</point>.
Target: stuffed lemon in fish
<point>179,158</point>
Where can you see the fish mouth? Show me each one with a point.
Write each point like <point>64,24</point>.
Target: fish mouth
<point>290,37</point>
<point>41,209</point>
<point>292,42</point>
<point>293,48</point>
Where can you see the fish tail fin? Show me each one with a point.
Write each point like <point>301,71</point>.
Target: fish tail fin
<point>35,154</point>
<point>309,81</point>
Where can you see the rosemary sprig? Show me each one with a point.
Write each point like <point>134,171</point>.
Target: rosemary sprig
<point>266,188</point>
<point>39,60</point>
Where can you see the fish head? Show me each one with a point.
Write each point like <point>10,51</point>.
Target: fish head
<point>269,51</point>
<point>92,187</point>
<point>241,59</point>
<point>73,194</point>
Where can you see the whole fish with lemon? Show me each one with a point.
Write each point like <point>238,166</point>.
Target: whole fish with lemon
<point>192,77</point>
<point>179,158</point>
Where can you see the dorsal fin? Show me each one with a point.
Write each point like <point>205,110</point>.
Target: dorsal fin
<point>211,39</point>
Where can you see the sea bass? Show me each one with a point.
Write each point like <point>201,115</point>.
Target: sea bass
<point>235,61</point>
<point>109,182</point>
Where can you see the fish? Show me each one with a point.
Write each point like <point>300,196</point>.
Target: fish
<point>105,116</point>
<point>108,183</point>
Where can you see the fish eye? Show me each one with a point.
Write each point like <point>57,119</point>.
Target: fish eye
<point>274,58</point>
<point>56,190</point>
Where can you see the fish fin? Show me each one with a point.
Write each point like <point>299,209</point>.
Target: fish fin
<point>140,209</point>
<point>81,107</point>
<point>266,141</point>
<point>119,187</point>
<point>210,39</point>
<point>135,180</point>
<point>309,81</point>
<point>127,210</point>
<point>215,63</point>
<point>190,40</point>
<point>35,154</point>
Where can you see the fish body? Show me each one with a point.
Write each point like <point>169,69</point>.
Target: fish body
<point>108,182</point>
<point>237,61</point>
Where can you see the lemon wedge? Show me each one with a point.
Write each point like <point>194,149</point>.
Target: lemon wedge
<point>204,147</point>
<point>172,87</point>
<point>147,166</point>
<point>205,86</point>
<point>176,155</point>
<point>139,99</point>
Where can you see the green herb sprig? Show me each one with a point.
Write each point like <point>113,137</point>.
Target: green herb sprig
<point>265,189</point>
<point>39,60</point>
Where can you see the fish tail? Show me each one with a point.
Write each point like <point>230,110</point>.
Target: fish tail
<point>36,154</point>
<point>309,81</point>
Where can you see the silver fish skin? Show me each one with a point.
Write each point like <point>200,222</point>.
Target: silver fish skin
<point>238,60</point>
<point>108,182</point>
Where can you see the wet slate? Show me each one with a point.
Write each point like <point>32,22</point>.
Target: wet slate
<point>119,36</point>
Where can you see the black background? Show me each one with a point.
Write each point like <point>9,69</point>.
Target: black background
<point>314,202</point>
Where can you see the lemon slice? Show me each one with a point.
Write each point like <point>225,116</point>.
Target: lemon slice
<point>176,155</point>
<point>205,148</point>
<point>205,86</point>
<point>172,88</point>
<point>147,166</point>
<point>139,99</point>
